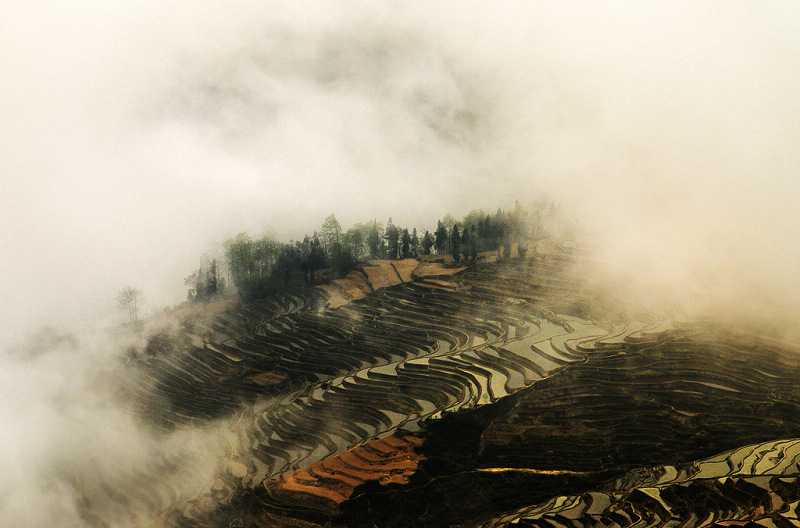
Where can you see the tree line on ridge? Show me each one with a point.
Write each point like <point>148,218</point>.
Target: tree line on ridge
<point>255,269</point>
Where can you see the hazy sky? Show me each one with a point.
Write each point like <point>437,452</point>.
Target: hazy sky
<point>134,135</point>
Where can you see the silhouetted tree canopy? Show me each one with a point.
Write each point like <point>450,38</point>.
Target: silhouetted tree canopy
<point>374,241</point>
<point>257,268</point>
<point>392,236</point>
<point>455,244</point>
<point>405,244</point>
<point>441,238</point>
<point>427,243</point>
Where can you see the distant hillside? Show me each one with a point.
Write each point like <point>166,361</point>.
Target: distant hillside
<point>503,393</point>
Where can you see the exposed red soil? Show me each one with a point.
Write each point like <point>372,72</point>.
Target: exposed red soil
<point>329,482</point>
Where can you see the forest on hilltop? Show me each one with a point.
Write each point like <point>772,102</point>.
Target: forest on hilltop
<point>255,268</point>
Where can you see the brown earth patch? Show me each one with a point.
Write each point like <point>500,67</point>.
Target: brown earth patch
<point>335,294</point>
<point>351,288</point>
<point>405,268</point>
<point>267,378</point>
<point>381,274</point>
<point>359,280</point>
<point>329,482</point>
<point>378,274</point>
<point>435,269</point>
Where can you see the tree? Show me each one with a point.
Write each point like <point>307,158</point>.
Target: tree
<point>212,279</point>
<point>392,236</point>
<point>427,243</point>
<point>316,257</point>
<point>518,223</point>
<point>332,237</point>
<point>455,244</point>
<point>473,218</point>
<point>405,244</point>
<point>239,253</point>
<point>441,238</point>
<point>193,284</point>
<point>353,242</point>
<point>448,221</point>
<point>473,244</point>
<point>485,233</point>
<point>356,238</point>
<point>130,299</point>
<point>374,241</point>
<point>264,254</point>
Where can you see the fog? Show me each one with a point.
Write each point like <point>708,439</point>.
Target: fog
<point>135,137</point>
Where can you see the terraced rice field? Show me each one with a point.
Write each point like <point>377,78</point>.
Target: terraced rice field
<point>501,394</point>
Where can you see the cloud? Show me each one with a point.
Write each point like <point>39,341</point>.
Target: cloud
<point>136,135</point>
<point>71,448</point>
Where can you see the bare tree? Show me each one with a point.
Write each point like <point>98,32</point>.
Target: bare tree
<point>130,299</point>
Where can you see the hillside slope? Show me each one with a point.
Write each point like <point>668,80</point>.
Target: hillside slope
<point>502,393</point>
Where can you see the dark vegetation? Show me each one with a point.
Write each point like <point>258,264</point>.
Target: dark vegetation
<point>255,269</point>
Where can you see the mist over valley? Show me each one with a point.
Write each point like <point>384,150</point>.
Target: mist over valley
<point>377,264</point>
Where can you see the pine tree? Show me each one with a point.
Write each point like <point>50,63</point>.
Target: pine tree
<point>465,243</point>
<point>427,243</point>
<point>374,241</point>
<point>441,238</point>
<point>316,257</point>
<point>212,282</point>
<point>455,244</point>
<point>473,244</point>
<point>405,247</point>
<point>392,236</point>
